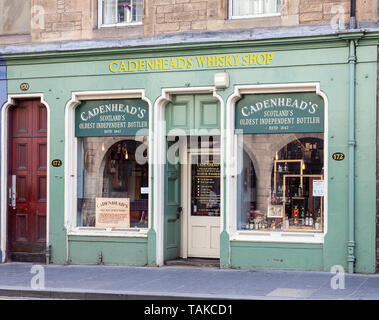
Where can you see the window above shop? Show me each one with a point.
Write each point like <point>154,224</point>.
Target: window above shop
<point>239,9</point>
<point>15,17</point>
<point>114,13</point>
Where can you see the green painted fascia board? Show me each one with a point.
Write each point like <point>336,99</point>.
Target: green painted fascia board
<point>372,35</point>
<point>366,38</point>
<point>249,46</point>
<point>70,69</point>
<point>351,36</point>
<point>363,39</point>
<point>368,42</point>
<point>125,54</point>
<point>366,54</point>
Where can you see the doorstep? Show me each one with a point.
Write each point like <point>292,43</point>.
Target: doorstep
<point>194,262</point>
<point>27,257</point>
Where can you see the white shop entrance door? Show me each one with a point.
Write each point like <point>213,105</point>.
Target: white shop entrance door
<point>203,205</point>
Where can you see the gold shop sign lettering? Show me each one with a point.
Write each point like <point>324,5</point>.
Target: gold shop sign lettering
<point>191,62</point>
<point>113,212</point>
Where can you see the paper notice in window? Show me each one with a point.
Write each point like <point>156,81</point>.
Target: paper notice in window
<point>318,188</point>
<point>113,212</point>
<point>144,190</point>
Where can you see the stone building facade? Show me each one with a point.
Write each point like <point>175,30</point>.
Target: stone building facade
<point>63,20</point>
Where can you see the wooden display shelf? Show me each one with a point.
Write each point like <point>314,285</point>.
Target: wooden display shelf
<point>276,172</point>
<point>281,177</point>
<point>301,176</point>
<point>302,228</point>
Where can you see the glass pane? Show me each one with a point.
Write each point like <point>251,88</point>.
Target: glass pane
<point>255,7</point>
<point>129,11</point>
<point>109,11</point>
<point>204,142</point>
<point>125,11</point>
<point>280,182</point>
<point>278,5</point>
<point>112,182</point>
<point>205,185</point>
<point>138,10</point>
<point>241,8</point>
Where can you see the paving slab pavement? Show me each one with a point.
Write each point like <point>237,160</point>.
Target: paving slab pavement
<point>173,282</point>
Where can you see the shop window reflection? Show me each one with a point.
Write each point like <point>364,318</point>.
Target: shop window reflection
<point>111,169</point>
<point>276,194</point>
<point>248,194</point>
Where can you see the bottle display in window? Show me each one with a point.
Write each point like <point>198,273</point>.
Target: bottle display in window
<point>282,198</point>
<point>113,173</point>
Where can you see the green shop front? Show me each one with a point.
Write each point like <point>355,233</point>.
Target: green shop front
<point>233,151</point>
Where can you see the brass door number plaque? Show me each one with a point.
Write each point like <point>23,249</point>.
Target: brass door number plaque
<point>56,163</point>
<point>338,156</point>
<point>24,86</point>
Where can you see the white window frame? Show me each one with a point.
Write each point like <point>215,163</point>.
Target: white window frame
<point>71,176</point>
<point>263,15</point>
<point>112,25</point>
<point>231,163</point>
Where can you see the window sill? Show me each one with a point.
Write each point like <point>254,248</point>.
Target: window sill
<point>120,25</point>
<point>255,16</point>
<point>109,232</point>
<point>278,236</point>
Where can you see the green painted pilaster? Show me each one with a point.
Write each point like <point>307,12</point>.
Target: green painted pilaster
<point>151,247</point>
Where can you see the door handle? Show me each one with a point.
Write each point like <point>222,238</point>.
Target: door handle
<point>13,192</point>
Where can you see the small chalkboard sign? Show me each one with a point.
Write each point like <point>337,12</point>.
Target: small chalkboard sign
<point>56,163</point>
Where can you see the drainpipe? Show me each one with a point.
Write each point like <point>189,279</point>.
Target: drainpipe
<point>351,142</point>
<point>351,146</point>
<point>353,20</point>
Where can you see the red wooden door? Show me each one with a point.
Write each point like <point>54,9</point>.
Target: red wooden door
<point>27,167</point>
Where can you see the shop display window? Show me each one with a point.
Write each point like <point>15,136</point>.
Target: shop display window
<point>281,182</point>
<point>112,189</point>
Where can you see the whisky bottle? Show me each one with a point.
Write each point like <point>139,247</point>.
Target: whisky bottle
<point>310,219</point>
<point>317,224</point>
<point>296,215</point>
<point>302,216</point>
